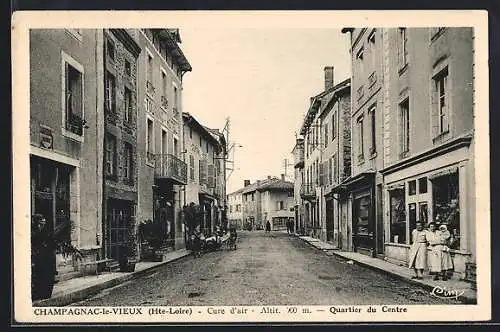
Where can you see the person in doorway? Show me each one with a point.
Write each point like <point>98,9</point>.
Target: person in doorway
<point>292,227</point>
<point>418,251</point>
<point>268,226</point>
<point>446,260</point>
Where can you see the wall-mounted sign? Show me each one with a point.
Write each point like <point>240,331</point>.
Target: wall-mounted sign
<point>46,137</point>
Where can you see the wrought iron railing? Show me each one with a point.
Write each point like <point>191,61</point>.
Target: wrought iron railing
<point>168,166</point>
<point>308,190</point>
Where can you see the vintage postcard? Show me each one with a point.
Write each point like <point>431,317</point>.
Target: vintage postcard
<point>288,166</point>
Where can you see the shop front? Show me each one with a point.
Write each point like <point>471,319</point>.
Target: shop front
<point>435,189</point>
<point>52,184</point>
<point>363,233</point>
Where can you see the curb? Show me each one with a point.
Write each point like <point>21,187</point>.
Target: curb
<point>82,294</point>
<point>462,298</point>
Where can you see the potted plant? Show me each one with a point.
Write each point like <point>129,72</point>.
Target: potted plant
<point>152,239</point>
<point>128,252</point>
<point>45,243</point>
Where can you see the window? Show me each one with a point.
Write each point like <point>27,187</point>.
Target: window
<point>238,207</point>
<point>110,155</point>
<point>371,42</point>
<point>422,185</point>
<point>326,134</point>
<point>334,124</point>
<point>336,168</point>
<point>176,147</point>
<point>253,197</point>
<point>359,58</point>
<point>164,99</point>
<point>191,167</point>
<point>201,142</point>
<point>280,205</point>
<point>149,140</point>
<point>149,68</point>
<point>412,187</point>
<point>360,138</point>
<point>128,163</point>
<point>110,49</point>
<point>445,197</point>
<point>73,92</point>
<point>404,128</point>
<point>397,215</point>
<point>127,96</point>
<point>191,133</point>
<point>164,142</point>
<point>206,146</point>
<point>175,97</point>
<point>403,48</point>
<point>373,147</point>
<point>442,96</point>
<point>110,93</point>
<point>423,213</point>
<point>128,68</point>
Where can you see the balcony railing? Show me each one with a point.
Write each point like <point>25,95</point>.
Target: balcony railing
<point>299,158</point>
<point>308,190</point>
<point>164,102</point>
<point>169,167</point>
<point>150,89</point>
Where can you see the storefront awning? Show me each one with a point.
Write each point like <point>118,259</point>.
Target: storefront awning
<point>449,171</point>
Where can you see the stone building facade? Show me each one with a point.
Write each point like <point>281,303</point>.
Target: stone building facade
<point>205,157</point>
<point>162,170</point>
<point>423,168</point>
<point>120,142</point>
<point>66,132</point>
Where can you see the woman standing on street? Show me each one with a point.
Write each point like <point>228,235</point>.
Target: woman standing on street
<point>418,251</point>
<point>440,259</point>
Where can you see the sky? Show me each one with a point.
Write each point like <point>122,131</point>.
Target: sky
<point>262,80</point>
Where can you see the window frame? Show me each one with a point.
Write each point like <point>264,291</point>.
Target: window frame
<point>403,58</point>
<point>128,111</point>
<point>404,132</point>
<point>66,59</point>
<point>373,129</point>
<point>360,137</point>
<point>150,150</point>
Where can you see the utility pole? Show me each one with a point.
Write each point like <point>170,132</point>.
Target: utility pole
<point>286,164</point>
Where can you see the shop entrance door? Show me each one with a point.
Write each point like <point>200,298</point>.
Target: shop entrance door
<point>119,219</point>
<point>330,232</point>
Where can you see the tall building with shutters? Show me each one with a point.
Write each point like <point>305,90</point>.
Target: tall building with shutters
<point>162,171</point>
<point>205,152</point>
<point>423,166</point>
<point>324,158</point>
<point>66,134</point>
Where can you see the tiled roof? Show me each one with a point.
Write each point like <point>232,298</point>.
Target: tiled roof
<point>268,184</point>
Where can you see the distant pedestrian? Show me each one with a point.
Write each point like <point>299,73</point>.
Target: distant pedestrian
<point>418,251</point>
<point>268,226</point>
<point>292,227</point>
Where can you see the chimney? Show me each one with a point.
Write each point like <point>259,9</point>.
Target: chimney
<point>269,177</point>
<point>328,77</point>
<point>258,182</point>
<point>246,183</point>
<point>283,177</point>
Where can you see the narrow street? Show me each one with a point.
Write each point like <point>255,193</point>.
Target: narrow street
<point>267,268</point>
